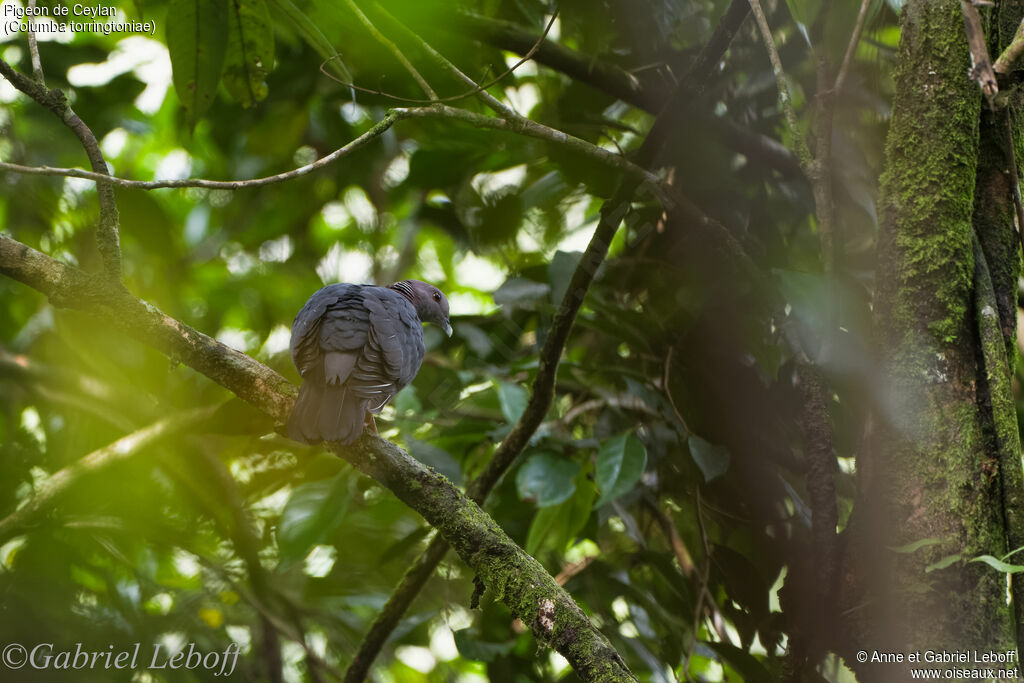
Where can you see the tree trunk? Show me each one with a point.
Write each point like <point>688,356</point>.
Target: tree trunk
<point>930,473</point>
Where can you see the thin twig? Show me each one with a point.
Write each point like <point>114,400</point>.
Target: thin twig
<point>671,533</point>
<point>107,238</point>
<point>785,98</point>
<point>981,64</point>
<point>391,47</point>
<point>453,98</point>
<point>520,125</point>
<point>702,590</point>
<point>585,68</point>
<point>33,46</point>
<point>668,390</point>
<point>499,107</point>
<point>358,143</point>
<point>851,48</point>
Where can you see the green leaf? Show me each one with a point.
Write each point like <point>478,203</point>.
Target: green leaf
<point>470,647</point>
<point>513,399</point>
<point>577,510</point>
<point>564,521</point>
<point>915,546</point>
<point>314,37</point>
<point>519,291</point>
<point>313,511</point>
<point>546,479</point>
<point>804,13</point>
<point>620,464</point>
<point>560,271</point>
<point>745,664</point>
<point>712,460</point>
<point>541,526</point>
<point>946,561</point>
<point>196,41</point>
<point>999,565</point>
<point>250,54</point>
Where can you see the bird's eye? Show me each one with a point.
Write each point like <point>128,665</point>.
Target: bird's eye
<point>437,297</point>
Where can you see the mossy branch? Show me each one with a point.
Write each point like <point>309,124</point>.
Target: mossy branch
<point>514,577</point>
<point>1006,61</point>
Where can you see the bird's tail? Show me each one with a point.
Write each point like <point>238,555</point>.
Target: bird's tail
<point>326,413</point>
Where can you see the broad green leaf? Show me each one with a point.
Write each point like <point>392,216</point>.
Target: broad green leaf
<point>712,460</point>
<point>314,37</point>
<point>197,33</point>
<point>546,479</point>
<point>620,464</point>
<point>999,565</point>
<point>250,54</point>
<point>312,512</point>
<point>513,399</point>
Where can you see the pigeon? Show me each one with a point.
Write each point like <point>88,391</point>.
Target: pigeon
<point>356,346</point>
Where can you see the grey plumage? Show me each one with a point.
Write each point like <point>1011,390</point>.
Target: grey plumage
<point>356,346</point>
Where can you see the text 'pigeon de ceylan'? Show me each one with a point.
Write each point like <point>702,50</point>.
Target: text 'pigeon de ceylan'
<point>356,346</point>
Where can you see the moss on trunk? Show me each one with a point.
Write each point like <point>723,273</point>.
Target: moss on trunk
<point>927,472</point>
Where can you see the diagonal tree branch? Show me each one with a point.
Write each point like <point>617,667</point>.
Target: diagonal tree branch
<point>851,47</point>
<point>70,287</point>
<point>785,98</point>
<point>581,67</point>
<point>542,391</point>
<point>515,577</point>
<point>1005,62</point>
<point>33,47</point>
<point>391,47</point>
<point>499,107</point>
<point>122,449</point>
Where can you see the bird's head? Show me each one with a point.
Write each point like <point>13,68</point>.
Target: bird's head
<point>430,302</point>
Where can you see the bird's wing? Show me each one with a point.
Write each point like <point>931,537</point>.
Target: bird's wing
<point>393,349</point>
<point>334,320</point>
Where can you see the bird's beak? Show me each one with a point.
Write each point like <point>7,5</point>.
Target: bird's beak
<point>448,327</point>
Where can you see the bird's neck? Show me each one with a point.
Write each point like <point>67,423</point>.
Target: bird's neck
<point>404,289</point>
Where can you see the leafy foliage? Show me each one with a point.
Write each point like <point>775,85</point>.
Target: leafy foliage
<point>664,487</point>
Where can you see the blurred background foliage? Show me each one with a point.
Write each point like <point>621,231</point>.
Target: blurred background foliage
<point>665,487</point>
